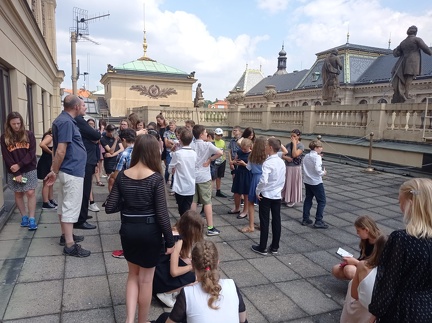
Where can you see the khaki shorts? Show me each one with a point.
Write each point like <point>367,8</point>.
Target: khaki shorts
<point>203,193</point>
<point>69,197</point>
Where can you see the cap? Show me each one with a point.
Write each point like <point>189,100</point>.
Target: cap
<point>110,127</point>
<point>218,131</point>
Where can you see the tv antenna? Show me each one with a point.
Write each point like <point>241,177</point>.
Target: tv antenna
<point>80,32</point>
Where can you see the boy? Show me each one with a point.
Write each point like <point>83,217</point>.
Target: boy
<point>313,173</point>
<point>269,194</point>
<point>220,163</point>
<point>206,153</point>
<point>182,167</point>
<point>169,139</point>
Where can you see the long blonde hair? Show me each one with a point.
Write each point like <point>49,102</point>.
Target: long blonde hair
<point>415,197</point>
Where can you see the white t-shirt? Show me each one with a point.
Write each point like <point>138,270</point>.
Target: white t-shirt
<point>204,151</point>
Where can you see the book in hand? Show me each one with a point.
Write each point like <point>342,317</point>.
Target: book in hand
<point>343,253</point>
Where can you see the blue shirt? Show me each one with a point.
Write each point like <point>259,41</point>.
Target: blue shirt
<point>125,159</point>
<point>65,130</point>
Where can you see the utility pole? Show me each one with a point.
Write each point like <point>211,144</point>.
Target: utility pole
<point>79,32</point>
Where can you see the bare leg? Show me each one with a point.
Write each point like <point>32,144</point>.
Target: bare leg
<point>51,192</point>
<point>245,206</point>
<point>31,202</point>
<point>237,198</point>
<point>145,293</point>
<point>132,291</point>
<point>67,230</point>
<point>45,192</point>
<point>251,212</point>
<point>218,183</point>
<point>208,211</point>
<point>193,206</point>
<point>19,200</point>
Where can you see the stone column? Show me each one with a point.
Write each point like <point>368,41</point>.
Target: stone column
<point>309,119</point>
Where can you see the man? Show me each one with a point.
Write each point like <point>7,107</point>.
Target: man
<point>90,137</point>
<point>110,142</point>
<point>330,77</point>
<point>220,163</point>
<point>69,162</point>
<point>408,65</point>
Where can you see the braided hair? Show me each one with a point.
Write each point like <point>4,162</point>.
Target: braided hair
<point>205,259</point>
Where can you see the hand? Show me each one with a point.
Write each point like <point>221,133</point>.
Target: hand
<point>50,178</point>
<point>241,163</point>
<point>288,159</point>
<point>259,197</point>
<point>207,163</point>
<point>18,179</point>
<point>350,260</point>
<point>14,168</point>
<point>107,155</point>
<point>232,166</point>
<point>372,319</point>
<point>169,250</point>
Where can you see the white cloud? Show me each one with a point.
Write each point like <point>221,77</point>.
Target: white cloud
<point>272,6</point>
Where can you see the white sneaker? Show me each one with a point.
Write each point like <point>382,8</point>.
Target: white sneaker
<point>167,299</point>
<point>93,207</point>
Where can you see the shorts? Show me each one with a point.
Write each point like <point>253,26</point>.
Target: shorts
<point>69,197</point>
<point>203,193</point>
<point>220,169</point>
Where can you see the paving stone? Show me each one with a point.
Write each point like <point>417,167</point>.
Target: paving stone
<point>45,247</point>
<point>25,293</point>
<point>302,265</point>
<point>85,293</point>
<point>110,242</point>
<point>14,248</point>
<point>117,285</point>
<point>299,290</point>
<point>227,253</point>
<point>12,231</point>
<point>332,287</point>
<point>42,268</point>
<point>48,230</point>
<point>109,227</point>
<point>274,269</point>
<point>39,319</point>
<point>105,315</point>
<point>243,273</point>
<point>115,265</point>
<point>94,265</point>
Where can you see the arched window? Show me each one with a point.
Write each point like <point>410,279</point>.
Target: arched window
<point>305,104</point>
<point>382,100</point>
<point>317,103</point>
<point>424,100</point>
<point>247,107</point>
<point>261,106</point>
<point>278,105</point>
<point>254,106</point>
<point>363,102</point>
<point>287,105</point>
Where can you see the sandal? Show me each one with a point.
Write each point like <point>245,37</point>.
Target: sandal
<point>234,212</point>
<point>257,226</point>
<point>240,216</point>
<point>100,183</point>
<point>247,230</point>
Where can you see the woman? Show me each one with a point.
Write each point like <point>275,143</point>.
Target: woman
<point>248,133</point>
<point>359,290</point>
<point>292,192</point>
<point>175,271</point>
<point>139,194</point>
<point>92,204</point>
<point>101,171</point>
<point>212,300</point>
<point>19,153</point>
<point>161,127</point>
<point>43,168</point>
<point>403,286</point>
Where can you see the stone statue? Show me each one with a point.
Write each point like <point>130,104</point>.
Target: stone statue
<point>408,65</point>
<point>330,76</point>
<point>198,96</point>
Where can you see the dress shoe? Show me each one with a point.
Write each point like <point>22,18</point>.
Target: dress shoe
<point>84,226</point>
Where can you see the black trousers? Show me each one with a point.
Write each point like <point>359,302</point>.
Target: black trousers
<point>265,206</point>
<point>89,171</point>
<point>184,202</point>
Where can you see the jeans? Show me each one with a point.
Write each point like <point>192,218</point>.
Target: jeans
<point>318,192</point>
<point>167,162</point>
<point>265,206</point>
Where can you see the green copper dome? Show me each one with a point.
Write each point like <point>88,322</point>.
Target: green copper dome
<point>150,66</point>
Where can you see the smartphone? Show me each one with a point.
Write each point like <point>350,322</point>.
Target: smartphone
<point>343,253</point>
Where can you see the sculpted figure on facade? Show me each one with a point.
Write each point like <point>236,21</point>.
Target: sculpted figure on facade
<point>199,99</point>
<point>408,65</point>
<point>330,76</point>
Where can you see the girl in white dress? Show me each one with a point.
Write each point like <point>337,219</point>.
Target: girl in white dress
<point>360,289</point>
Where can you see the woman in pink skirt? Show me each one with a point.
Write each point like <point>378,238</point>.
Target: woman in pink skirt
<point>292,192</point>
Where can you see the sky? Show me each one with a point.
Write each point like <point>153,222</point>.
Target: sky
<point>218,38</point>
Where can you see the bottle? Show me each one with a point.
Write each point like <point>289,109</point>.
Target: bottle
<point>23,180</point>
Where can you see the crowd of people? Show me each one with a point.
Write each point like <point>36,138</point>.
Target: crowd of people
<point>391,280</point>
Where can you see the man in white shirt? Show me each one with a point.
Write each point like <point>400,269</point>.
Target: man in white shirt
<point>268,192</point>
<point>313,173</point>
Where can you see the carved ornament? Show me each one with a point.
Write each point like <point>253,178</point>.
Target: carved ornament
<point>153,91</point>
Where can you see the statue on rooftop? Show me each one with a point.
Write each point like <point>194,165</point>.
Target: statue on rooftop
<point>408,65</point>
<point>330,76</point>
<point>199,99</point>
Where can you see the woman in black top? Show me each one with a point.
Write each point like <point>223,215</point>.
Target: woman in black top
<point>139,194</point>
<point>403,285</point>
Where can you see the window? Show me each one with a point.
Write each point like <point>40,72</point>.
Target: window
<point>5,106</point>
<point>29,119</point>
<point>382,100</point>
<point>363,102</point>
<point>305,104</point>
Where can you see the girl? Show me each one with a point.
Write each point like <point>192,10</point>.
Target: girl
<point>403,286</point>
<point>292,192</point>
<point>43,168</point>
<point>161,126</point>
<point>359,290</point>
<point>242,179</point>
<point>368,232</point>
<point>175,271</point>
<point>139,194</point>
<point>254,165</point>
<point>19,153</point>
<point>212,300</point>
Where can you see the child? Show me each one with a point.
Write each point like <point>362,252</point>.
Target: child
<point>268,192</point>
<point>169,138</point>
<point>175,271</point>
<point>313,173</point>
<point>212,300</point>
<point>206,153</point>
<point>368,232</point>
<point>220,163</point>
<point>182,167</point>
<point>242,179</point>
<point>254,165</point>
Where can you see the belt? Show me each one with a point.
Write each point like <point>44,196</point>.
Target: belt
<point>138,219</point>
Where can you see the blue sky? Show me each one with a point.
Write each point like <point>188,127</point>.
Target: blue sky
<point>218,38</point>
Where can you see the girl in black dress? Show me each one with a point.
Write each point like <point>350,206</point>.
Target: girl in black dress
<point>139,194</point>
<point>43,168</point>
<point>403,285</point>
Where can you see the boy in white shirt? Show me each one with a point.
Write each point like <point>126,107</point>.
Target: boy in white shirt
<point>206,153</point>
<point>268,191</point>
<point>313,173</point>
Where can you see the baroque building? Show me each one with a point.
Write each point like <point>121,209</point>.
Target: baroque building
<point>29,76</point>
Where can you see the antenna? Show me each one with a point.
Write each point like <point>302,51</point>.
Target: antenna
<point>80,32</point>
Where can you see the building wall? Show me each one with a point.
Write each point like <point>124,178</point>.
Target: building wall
<point>33,83</point>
